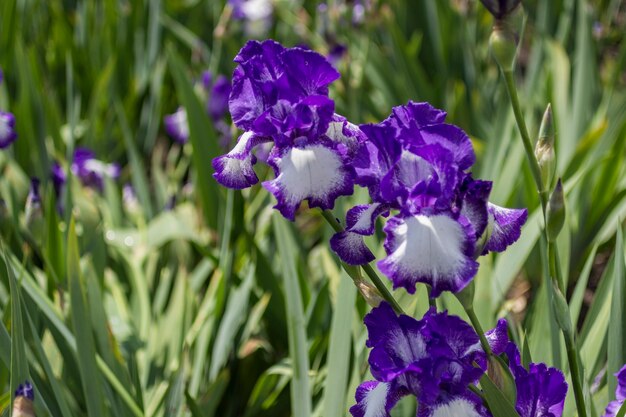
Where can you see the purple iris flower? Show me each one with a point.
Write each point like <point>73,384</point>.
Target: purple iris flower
<point>59,178</point>
<point>432,359</point>
<point>417,166</point>
<point>620,394</point>
<point>33,201</point>
<point>177,126</point>
<point>217,104</point>
<point>25,390</point>
<point>92,171</point>
<point>280,96</point>
<point>541,390</point>
<point>7,129</point>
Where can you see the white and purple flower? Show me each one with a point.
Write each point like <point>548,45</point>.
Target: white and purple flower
<point>91,171</point>
<point>432,359</point>
<point>416,165</point>
<point>7,129</point>
<point>280,96</point>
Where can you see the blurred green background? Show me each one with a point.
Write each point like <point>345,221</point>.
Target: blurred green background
<point>146,309</point>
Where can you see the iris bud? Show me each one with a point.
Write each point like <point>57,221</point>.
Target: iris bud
<point>555,214</point>
<point>369,292</point>
<point>23,402</point>
<point>503,45</point>
<point>501,375</point>
<point>544,149</point>
<point>500,8</point>
<point>561,312</point>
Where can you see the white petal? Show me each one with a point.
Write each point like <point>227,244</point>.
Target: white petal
<point>312,172</point>
<point>456,408</point>
<point>429,246</point>
<point>375,401</point>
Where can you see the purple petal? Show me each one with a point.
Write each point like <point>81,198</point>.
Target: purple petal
<point>351,248</point>
<point>613,408</point>
<point>433,249</point>
<point>7,129</point>
<point>541,392</point>
<point>452,138</point>
<point>340,130</point>
<point>92,171</point>
<point>306,73</point>
<point>474,203</point>
<point>397,343</point>
<point>316,172</point>
<point>176,125</point>
<point>375,399</point>
<point>620,391</point>
<point>362,219</point>
<point>498,337</point>
<point>234,170</point>
<point>506,227</point>
<point>217,105</point>
<point>415,115</point>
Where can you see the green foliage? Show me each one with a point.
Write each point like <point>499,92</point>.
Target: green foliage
<point>220,307</point>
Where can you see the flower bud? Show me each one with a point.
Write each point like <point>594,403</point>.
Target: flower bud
<point>33,210</point>
<point>503,45</point>
<point>500,8</point>
<point>369,292</point>
<point>23,402</point>
<point>501,375</point>
<point>544,149</point>
<point>555,214</point>
<point>561,311</point>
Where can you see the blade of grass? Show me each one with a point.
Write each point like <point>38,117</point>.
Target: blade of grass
<point>339,349</point>
<point>296,323</point>
<point>617,325</point>
<point>90,377</point>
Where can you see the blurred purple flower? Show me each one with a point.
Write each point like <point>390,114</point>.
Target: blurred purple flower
<point>620,394</point>
<point>7,129</point>
<point>25,390</point>
<point>256,14</point>
<point>91,171</point>
<point>177,126</point>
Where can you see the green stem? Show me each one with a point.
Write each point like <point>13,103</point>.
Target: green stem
<point>572,357</point>
<point>528,145</point>
<point>378,283</point>
<point>479,329</point>
<point>574,366</point>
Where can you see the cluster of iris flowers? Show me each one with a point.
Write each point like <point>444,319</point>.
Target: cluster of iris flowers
<point>416,169</point>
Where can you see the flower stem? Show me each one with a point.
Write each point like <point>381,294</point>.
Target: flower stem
<point>572,357</point>
<point>479,329</point>
<point>371,273</point>
<point>521,125</point>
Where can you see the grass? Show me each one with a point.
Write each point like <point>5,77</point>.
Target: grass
<point>220,306</point>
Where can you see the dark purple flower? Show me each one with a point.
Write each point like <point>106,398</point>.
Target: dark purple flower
<point>336,54</point>
<point>25,390</point>
<point>59,178</point>
<point>92,171</point>
<point>176,125</point>
<point>7,129</point>
<point>500,8</point>
<point>279,96</point>
<point>620,394</point>
<point>432,358</point>
<point>541,390</point>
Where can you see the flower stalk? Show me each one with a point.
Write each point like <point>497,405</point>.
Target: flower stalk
<point>373,276</point>
<point>550,236</point>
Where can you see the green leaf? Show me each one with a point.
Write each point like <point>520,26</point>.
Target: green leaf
<point>339,349</point>
<point>296,323</point>
<point>81,320</point>
<point>19,362</point>
<point>617,325</point>
<point>202,139</point>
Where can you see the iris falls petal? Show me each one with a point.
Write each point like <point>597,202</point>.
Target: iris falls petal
<point>433,249</point>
